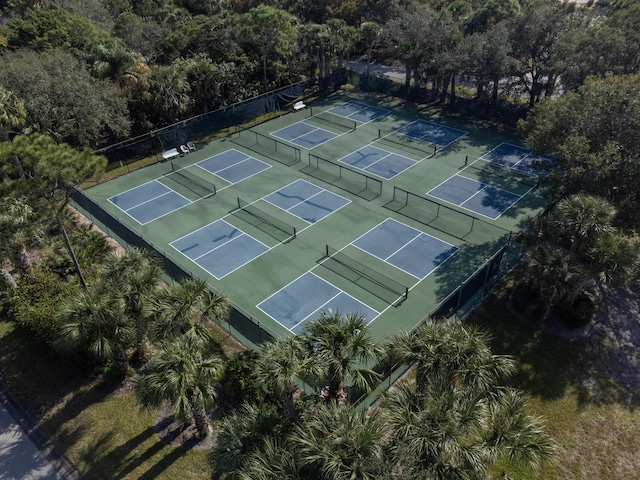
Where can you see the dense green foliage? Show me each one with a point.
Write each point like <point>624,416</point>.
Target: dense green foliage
<point>77,75</point>
<point>168,60</point>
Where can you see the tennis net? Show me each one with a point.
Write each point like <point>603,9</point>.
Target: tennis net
<point>403,142</point>
<point>344,177</point>
<point>267,218</point>
<point>336,121</point>
<point>196,184</point>
<point>364,276</point>
<point>267,146</point>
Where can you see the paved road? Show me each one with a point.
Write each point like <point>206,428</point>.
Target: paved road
<point>25,452</point>
<point>394,73</point>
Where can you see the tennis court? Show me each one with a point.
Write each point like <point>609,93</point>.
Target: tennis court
<point>149,201</point>
<point>233,166</point>
<point>303,299</point>
<point>287,232</point>
<point>219,248</point>
<point>406,248</point>
<point>487,200</point>
<point>305,135</point>
<point>378,161</point>
<point>306,201</point>
<point>433,133</point>
<point>359,112</point>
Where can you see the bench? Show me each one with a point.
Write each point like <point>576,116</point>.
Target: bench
<point>298,106</point>
<point>168,154</point>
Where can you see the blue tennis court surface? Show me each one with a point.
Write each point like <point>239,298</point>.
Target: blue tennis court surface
<point>219,248</point>
<point>304,298</point>
<point>378,161</point>
<point>304,135</point>
<point>506,154</point>
<point>306,201</point>
<point>360,112</point>
<point>233,166</point>
<point>430,132</point>
<point>149,201</point>
<point>478,197</point>
<point>405,247</point>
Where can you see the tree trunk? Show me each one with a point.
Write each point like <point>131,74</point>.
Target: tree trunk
<point>452,98</point>
<point>368,59</point>
<point>201,421</point>
<point>121,361</point>
<point>445,88</point>
<point>264,69</point>
<point>494,94</point>
<point>72,253</point>
<point>407,77</point>
<point>291,407</point>
<point>142,338</point>
<point>334,393</point>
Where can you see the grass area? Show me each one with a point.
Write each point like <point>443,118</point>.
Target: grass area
<point>594,422</point>
<point>101,429</point>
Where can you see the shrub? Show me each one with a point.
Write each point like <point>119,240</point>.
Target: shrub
<point>35,300</point>
<point>576,314</point>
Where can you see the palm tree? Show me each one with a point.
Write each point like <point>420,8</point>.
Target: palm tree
<point>340,443</point>
<point>135,277</point>
<point>614,259</point>
<point>181,375</point>
<point>170,91</point>
<point>13,114</point>
<point>96,323</point>
<point>276,460</point>
<point>281,364</point>
<point>370,33</point>
<point>186,307</point>
<point>583,218</point>
<point>242,438</point>
<point>343,345</point>
<point>458,353</point>
<point>456,421</point>
<point>113,61</point>
<point>19,229</point>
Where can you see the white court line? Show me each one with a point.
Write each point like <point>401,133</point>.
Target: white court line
<point>243,233</point>
<point>372,144</point>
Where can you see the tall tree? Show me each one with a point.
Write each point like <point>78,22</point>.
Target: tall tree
<point>282,363</point>
<point>186,308</point>
<point>454,422</point>
<point>170,93</point>
<point>62,99</point>
<point>19,229</point>
<point>183,375</point>
<point>341,442</point>
<point>370,32</point>
<point>48,174</point>
<point>244,438</point>
<point>272,32</point>
<point>535,36</point>
<point>135,277</point>
<point>341,342</point>
<point>592,133</point>
<point>95,323</point>
<point>574,248</point>
<point>13,115</point>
